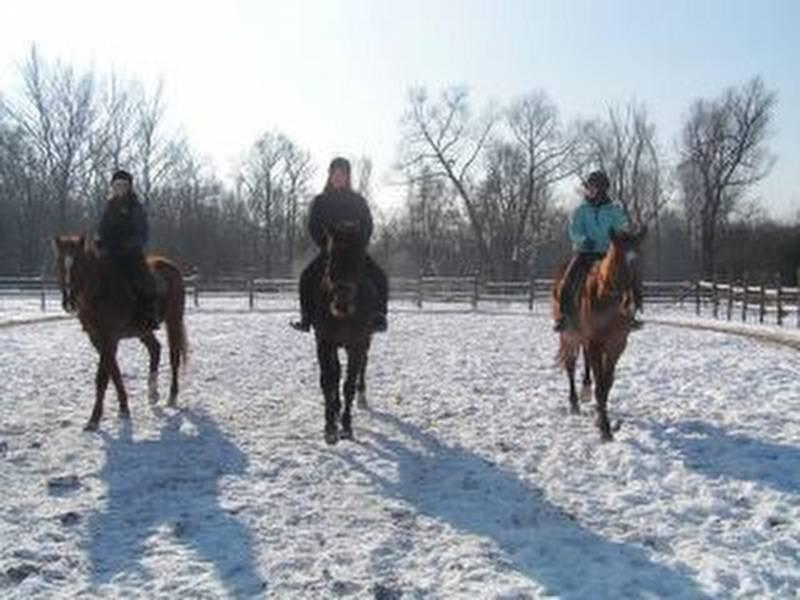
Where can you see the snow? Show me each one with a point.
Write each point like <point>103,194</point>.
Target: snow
<point>468,477</point>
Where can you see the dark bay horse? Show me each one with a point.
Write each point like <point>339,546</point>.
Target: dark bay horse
<point>605,307</point>
<point>345,305</point>
<point>107,308</point>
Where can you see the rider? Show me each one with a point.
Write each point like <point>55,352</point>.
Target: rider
<point>122,235</point>
<point>589,229</point>
<point>336,203</point>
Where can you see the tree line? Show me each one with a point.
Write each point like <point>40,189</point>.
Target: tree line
<point>483,189</point>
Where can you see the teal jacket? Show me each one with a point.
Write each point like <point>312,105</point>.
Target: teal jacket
<point>590,225</point>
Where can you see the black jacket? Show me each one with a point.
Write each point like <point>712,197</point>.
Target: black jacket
<point>123,227</point>
<point>331,208</point>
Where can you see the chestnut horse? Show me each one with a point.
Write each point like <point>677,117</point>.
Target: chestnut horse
<point>107,309</point>
<point>345,305</point>
<point>605,307</point>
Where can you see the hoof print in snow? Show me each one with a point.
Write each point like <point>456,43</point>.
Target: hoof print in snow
<point>3,448</point>
<point>344,588</point>
<point>69,518</point>
<point>179,529</point>
<point>35,445</point>
<point>63,484</point>
<point>774,522</point>
<point>383,592</point>
<point>17,575</point>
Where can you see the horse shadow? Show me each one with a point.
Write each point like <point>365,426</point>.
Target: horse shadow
<point>169,488</point>
<point>711,450</point>
<point>536,538</point>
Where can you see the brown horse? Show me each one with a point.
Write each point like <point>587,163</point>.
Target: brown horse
<point>107,309</point>
<point>605,307</point>
<point>345,305</point>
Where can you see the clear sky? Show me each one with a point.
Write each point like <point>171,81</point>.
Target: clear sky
<point>334,75</point>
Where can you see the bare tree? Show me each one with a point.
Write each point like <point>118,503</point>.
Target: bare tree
<point>259,176</point>
<point>548,155</point>
<point>57,113</point>
<point>723,154</point>
<point>443,138</point>
<point>298,169</point>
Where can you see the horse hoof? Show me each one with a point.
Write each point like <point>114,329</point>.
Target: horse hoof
<point>91,426</point>
<point>574,410</point>
<point>361,401</point>
<point>346,434</point>
<point>586,393</point>
<point>617,425</point>
<point>125,415</point>
<point>331,437</point>
<point>172,402</point>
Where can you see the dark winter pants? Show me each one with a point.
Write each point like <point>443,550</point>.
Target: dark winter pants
<point>134,269</point>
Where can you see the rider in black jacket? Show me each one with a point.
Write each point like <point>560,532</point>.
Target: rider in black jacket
<point>337,203</point>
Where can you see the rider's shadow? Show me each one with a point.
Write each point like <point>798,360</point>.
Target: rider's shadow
<point>167,491</point>
<point>536,538</point>
<point>715,452</point>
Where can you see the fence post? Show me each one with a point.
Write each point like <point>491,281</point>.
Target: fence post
<point>196,288</point>
<point>697,298</point>
<point>744,296</point>
<point>251,292</point>
<point>42,294</point>
<point>797,300</point>
<point>730,296</point>
<point>714,296</point>
<point>475,291</point>
<point>778,303</point>
<point>531,292</point>
<point>419,289</point>
<point>762,306</point>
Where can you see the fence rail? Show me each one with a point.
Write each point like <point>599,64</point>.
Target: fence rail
<point>416,290</point>
<point>745,301</point>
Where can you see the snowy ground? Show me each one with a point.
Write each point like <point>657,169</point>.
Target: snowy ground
<point>468,478</point>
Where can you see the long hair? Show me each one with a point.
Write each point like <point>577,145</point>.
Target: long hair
<point>337,163</point>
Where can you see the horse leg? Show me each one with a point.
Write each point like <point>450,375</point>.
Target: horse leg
<point>329,375</point>
<point>362,386</point>
<point>602,378</point>
<point>154,351</point>
<point>569,364</point>
<point>116,377</point>
<point>586,388</point>
<point>355,362</point>
<point>107,353</point>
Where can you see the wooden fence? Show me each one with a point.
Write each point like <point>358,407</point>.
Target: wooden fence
<point>416,290</point>
<point>741,300</point>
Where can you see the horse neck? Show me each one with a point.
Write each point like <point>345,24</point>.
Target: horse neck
<point>89,265</point>
<point>614,274</point>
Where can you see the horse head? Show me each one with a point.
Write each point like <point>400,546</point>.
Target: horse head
<point>344,266</point>
<point>624,256</point>
<point>72,254</point>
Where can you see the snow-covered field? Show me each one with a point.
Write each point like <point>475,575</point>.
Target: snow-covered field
<point>468,479</point>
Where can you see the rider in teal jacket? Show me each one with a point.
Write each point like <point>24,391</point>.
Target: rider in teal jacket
<point>589,229</point>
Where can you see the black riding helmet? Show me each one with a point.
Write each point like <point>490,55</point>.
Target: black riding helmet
<point>339,163</point>
<point>122,175</point>
<point>599,180</point>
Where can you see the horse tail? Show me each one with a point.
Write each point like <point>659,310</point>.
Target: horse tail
<point>174,308</point>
